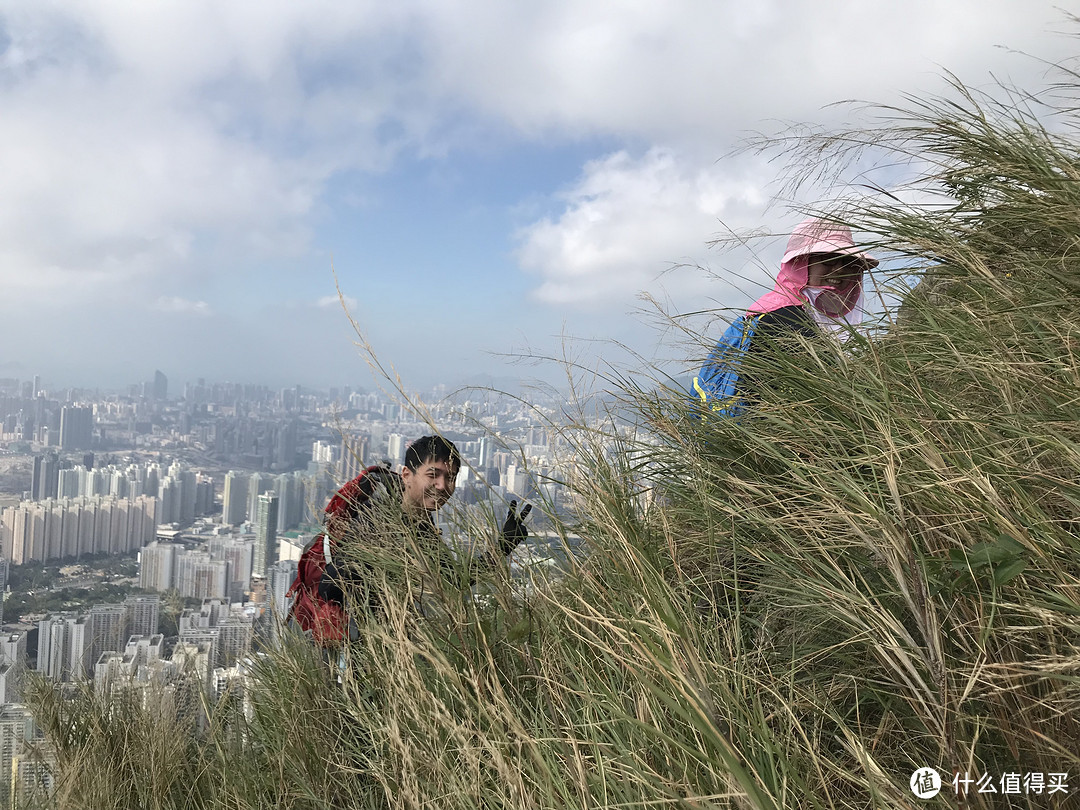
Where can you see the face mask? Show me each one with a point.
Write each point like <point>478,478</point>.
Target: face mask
<point>825,300</point>
<point>832,309</point>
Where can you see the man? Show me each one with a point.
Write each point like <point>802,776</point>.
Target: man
<point>373,523</point>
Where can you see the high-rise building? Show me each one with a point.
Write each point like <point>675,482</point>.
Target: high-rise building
<point>143,649</point>
<point>324,452</point>
<point>265,534</point>
<point>108,628</point>
<point>13,659</point>
<point>45,476</point>
<point>257,485</point>
<point>199,577</point>
<point>133,666</point>
<point>96,482</point>
<point>354,450</point>
<point>395,449</point>
<point>119,484</point>
<point>234,499</point>
<point>143,615</point>
<point>204,494</point>
<point>76,428</point>
<point>168,500</point>
<point>279,578</point>
<point>14,529</point>
<point>63,647</point>
<point>151,479</point>
<point>15,732</point>
<point>3,580</point>
<point>192,655</point>
<point>33,777</point>
<point>285,447</point>
<point>187,492</point>
<point>160,389</point>
<point>233,642</point>
<point>239,552</point>
<point>317,489</point>
<point>210,613</point>
<point>157,563</point>
<point>8,694</point>
<point>290,491</point>
<point>68,482</point>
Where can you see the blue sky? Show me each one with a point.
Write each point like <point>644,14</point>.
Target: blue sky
<point>181,180</point>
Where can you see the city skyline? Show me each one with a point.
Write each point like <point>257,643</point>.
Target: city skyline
<point>189,188</point>
<point>160,388</point>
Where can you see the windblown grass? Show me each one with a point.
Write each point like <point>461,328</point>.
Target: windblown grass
<point>876,569</point>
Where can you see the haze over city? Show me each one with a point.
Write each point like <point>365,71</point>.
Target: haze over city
<point>182,181</point>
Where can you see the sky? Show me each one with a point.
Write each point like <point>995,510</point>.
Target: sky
<point>244,191</point>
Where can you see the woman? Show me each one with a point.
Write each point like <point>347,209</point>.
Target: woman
<point>819,287</point>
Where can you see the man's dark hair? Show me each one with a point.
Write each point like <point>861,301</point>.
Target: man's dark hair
<point>432,448</point>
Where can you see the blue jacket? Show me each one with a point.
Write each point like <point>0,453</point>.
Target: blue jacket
<point>721,386</point>
<point>717,384</point>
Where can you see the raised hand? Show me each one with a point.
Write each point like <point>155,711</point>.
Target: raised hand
<point>514,530</point>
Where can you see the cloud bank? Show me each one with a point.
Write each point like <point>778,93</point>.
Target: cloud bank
<point>192,152</point>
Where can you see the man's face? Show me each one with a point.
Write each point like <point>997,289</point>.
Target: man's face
<point>429,486</point>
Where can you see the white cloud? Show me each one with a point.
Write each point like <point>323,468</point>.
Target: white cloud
<point>182,306</point>
<point>134,140</point>
<point>629,219</point>
<point>699,71</point>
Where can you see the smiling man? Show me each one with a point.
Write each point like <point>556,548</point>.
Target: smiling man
<point>377,507</point>
<point>429,475</point>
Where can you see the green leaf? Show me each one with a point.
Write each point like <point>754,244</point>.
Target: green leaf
<point>1009,571</point>
<point>1009,542</point>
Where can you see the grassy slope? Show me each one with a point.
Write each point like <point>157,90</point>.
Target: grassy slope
<point>876,570</point>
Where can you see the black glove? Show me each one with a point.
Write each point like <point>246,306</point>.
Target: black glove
<point>514,530</point>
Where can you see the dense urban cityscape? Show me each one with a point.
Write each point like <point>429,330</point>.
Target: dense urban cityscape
<point>210,498</point>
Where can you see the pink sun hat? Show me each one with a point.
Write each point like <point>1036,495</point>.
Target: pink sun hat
<point>820,236</point>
